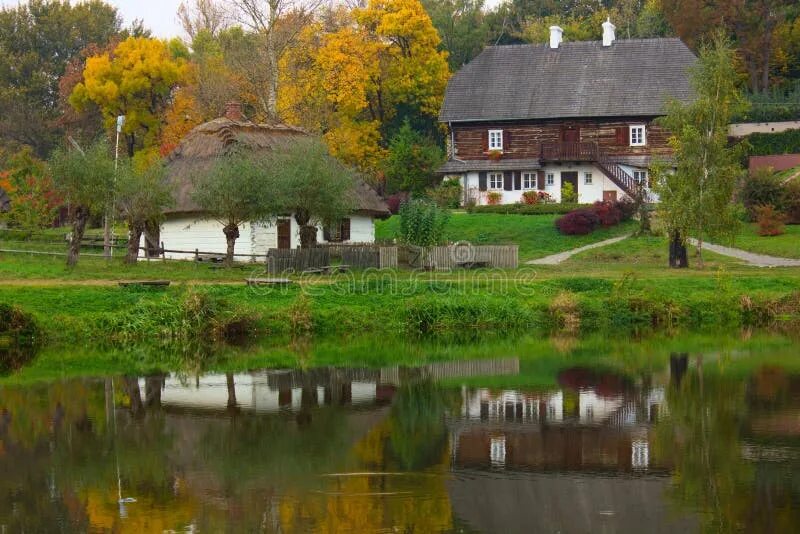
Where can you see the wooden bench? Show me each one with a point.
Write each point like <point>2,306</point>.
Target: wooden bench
<point>152,283</point>
<point>328,269</point>
<point>268,281</point>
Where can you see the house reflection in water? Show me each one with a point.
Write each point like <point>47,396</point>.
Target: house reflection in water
<point>270,391</point>
<point>585,427</point>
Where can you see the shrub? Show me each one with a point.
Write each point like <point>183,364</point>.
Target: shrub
<point>395,201</point>
<point>447,195</point>
<point>494,198</point>
<point>422,223</point>
<point>791,201</point>
<point>568,193</point>
<point>526,209</point>
<point>761,189</point>
<point>536,197</point>
<point>770,221</point>
<point>627,208</point>
<point>765,144</point>
<point>608,213</point>
<point>578,222</point>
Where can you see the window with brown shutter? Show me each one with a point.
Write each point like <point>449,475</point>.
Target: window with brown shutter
<point>506,140</point>
<point>485,140</point>
<point>508,180</point>
<point>482,181</point>
<point>337,233</point>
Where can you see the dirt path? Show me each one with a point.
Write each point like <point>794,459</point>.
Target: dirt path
<point>555,259</point>
<point>751,258</point>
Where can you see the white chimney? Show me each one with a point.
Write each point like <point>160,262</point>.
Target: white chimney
<point>608,32</point>
<point>555,36</point>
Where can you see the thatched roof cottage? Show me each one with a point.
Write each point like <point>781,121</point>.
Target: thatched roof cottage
<point>186,227</point>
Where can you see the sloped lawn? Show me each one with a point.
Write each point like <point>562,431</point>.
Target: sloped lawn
<point>536,235</point>
<point>783,246</point>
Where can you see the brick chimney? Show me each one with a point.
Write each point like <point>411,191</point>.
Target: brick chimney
<point>233,111</point>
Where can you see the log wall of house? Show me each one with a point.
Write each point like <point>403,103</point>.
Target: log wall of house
<point>522,140</point>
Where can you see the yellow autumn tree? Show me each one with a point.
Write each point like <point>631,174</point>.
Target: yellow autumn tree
<point>137,80</point>
<point>351,77</point>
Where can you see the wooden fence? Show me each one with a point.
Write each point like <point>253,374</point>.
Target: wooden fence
<point>449,257</point>
<point>366,257</point>
<point>297,259</point>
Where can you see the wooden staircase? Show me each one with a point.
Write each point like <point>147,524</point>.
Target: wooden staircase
<point>619,176</point>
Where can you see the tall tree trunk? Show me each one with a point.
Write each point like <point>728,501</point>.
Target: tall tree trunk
<point>308,232</point>
<point>152,241</point>
<point>272,60</point>
<point>231,232</point>
<point>134,239</point>
<point>79,218</point>
<point>678,257</point>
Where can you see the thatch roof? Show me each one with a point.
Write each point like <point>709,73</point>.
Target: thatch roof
<point>199,149</point>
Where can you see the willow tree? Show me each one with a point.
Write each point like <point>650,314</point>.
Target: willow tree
<point>85,180</point>
<point>141,196</point>
<point>306,181</point>
<point>233,192</point>
<point>696,196</point>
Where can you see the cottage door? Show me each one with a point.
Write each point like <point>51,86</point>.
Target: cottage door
<point>284,233</point>
<point>571,134</point>
<point>609,196</point>
<point>571,177</point>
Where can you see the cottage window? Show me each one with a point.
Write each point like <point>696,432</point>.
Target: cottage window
<point>528,180</point>
<point>495,139</point>
<point>587,178</point>
<point>551,178</point>
<point>638,135</point>
<point>640,177</point>
<point>337,233</point>
<point>495,180</point>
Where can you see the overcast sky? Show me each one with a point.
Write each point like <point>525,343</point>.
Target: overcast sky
<point>158,15</point>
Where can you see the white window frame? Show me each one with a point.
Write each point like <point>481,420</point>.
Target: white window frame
<point>635,138</point>
<point>530,179</point>
<point>640,177</point>
<point>491,181</point>
<point>496,140</point>
<point>550,178</point>
<point>587,178</point>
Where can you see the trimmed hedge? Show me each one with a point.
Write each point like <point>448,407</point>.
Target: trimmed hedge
<point>768,144</point>
<point>528,209</point>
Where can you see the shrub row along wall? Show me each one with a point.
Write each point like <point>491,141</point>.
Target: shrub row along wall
<point>527,209</point>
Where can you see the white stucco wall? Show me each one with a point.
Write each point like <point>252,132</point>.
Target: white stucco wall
<point>587,193</point>
<point>191,232</point>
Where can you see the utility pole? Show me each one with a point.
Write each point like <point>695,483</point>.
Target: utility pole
<point>108,250</point>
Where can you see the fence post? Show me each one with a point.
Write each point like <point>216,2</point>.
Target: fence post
<point>163,254</point>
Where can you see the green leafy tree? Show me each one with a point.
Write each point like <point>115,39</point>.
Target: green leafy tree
<point>85,180</point>
<point>411,162</point>
<point>695,199</point>
<point>461,26</point>
<point>233,192</point>
<point>37,40</point>
<point>141,197</point>
<point>305,180</point>
<point>422,223</point>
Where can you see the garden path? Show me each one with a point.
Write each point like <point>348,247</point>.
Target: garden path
<point>757,260</point>
<point>555,259</point>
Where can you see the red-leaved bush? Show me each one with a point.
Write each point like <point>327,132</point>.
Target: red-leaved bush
<point>578,222</point>
<point>394,201</point>
<point>608,213</point>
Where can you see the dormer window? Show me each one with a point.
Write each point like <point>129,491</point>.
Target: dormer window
<point>495,139</point>
<point>638,135</point>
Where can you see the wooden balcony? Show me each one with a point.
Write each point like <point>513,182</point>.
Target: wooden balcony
<point>569,151</point>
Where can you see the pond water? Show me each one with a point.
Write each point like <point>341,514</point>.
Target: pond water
<point>694,442</point>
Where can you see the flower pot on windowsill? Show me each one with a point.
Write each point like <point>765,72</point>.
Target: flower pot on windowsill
<point>495,155</point>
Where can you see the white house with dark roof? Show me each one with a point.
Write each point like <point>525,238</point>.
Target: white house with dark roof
<point>534,117</point>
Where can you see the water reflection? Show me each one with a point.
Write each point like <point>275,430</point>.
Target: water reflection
<point>684,447</point>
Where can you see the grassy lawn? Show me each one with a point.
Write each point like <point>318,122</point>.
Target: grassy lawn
<point>784,246</point>
<point>536,235</point>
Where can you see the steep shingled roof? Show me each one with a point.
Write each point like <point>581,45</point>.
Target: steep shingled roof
<point>198,150</point>
<point>631,77</point>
